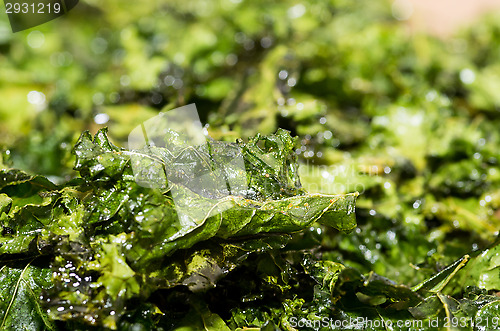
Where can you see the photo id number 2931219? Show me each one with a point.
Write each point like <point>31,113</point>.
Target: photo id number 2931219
<point>32,8</point>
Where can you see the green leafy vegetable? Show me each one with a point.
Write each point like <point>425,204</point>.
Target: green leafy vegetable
<point>20,304</point>
<point>408,120</point>
<point>113,242</point>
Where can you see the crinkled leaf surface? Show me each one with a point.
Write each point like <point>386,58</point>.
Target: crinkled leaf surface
<point>114,241</point>
<point>20,288</point>
<point>412,122</point>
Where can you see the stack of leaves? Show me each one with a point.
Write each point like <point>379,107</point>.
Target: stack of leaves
<point>408,120</point>
<point>102,252</point>
<point>100,249</point>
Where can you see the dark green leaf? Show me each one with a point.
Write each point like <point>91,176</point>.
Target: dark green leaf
<point>20,290</point>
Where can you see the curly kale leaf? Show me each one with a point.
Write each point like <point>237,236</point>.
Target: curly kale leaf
<point>115,242</point>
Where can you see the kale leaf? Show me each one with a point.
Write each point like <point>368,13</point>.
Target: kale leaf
<point>112,243</point>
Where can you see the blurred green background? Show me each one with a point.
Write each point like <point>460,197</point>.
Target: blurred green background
<point>408,120</point>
